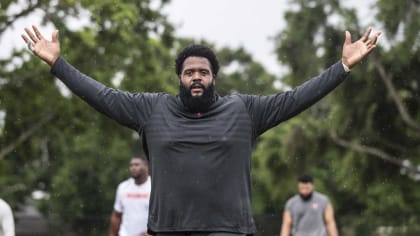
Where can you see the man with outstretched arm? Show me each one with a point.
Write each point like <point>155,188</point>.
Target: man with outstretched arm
<point>199,144</point>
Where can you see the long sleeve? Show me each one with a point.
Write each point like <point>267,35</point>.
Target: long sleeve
<point>269,111</point>
<point>129,109</point>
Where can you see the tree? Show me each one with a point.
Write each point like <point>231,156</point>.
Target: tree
<point>52,141</point>
<point>361,142</point>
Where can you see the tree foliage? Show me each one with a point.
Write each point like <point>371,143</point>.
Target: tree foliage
<point>53,141</point>
<point>362,141</point>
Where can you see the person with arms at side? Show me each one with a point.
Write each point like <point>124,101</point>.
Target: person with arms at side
<point>7,223</point>
<point>199,144</point>
<point>131,207</point>
<point>308,213</point>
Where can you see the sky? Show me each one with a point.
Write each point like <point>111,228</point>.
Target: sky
<point>234,23</point>
<point>248,23</point>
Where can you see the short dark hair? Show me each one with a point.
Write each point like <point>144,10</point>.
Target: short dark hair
<point>305,178</point>
<point>144,160</point>
<point>197,50</point>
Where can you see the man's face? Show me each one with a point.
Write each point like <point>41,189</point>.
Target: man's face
<point>196,75</point>
<point>138,168</point>
<point>305,189</point>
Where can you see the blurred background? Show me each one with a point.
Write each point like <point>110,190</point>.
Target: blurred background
<point>60,161</point>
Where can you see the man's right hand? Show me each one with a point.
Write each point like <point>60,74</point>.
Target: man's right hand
<point>48,51</point>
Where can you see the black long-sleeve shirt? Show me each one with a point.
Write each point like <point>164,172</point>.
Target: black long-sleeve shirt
<point>200,162</point>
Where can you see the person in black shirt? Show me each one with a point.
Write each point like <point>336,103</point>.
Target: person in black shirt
<point>199,144</point>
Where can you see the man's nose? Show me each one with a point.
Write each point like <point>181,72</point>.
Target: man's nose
<point>196,75</point>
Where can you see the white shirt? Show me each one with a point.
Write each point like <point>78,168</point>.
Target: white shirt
<point>7,224</point>
<point>132,201</point>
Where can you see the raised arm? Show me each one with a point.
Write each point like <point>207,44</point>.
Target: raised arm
<point>268,111</point>
<point>129,109</point>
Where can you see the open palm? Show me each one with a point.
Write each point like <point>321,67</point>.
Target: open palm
<point>354,52</point>
<point>48,51</point>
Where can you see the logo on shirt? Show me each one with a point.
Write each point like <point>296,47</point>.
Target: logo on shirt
<point>138,195</point>
<point>315,205</point>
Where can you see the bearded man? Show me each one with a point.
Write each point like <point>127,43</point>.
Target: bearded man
<point>199,144</point>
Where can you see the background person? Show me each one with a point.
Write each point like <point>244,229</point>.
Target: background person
<point>308,213</point>
<point>131,207</point>
<point>7,223</point>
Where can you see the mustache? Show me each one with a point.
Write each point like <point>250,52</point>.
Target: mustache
<point>196,84</point>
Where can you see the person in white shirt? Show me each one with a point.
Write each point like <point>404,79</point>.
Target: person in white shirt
<point>7,223</point>
<point>131,207</point>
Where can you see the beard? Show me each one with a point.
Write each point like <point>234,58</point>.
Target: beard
<point>197,103</point>
<point>306,197</point>
<point>139,176</point>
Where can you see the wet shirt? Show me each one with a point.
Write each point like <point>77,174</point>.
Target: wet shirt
<point>200,162</point>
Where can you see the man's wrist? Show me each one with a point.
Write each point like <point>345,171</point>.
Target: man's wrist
<point>346,68</point>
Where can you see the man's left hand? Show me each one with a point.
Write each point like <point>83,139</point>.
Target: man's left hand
<point>354,52</point>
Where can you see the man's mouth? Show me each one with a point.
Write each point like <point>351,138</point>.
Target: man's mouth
<point>197,89</point>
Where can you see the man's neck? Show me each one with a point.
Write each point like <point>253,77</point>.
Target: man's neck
<point>140,180</point>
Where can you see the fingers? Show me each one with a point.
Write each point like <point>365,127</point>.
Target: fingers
<point>27,41</point>
<point>34,38</point>
<point>371,43</point>
<point>37,33</point>
<point>347,40</point>
<point>366,35</point>
<point>375,37</point>
<point>370,48</point>
<point>55,36</point>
